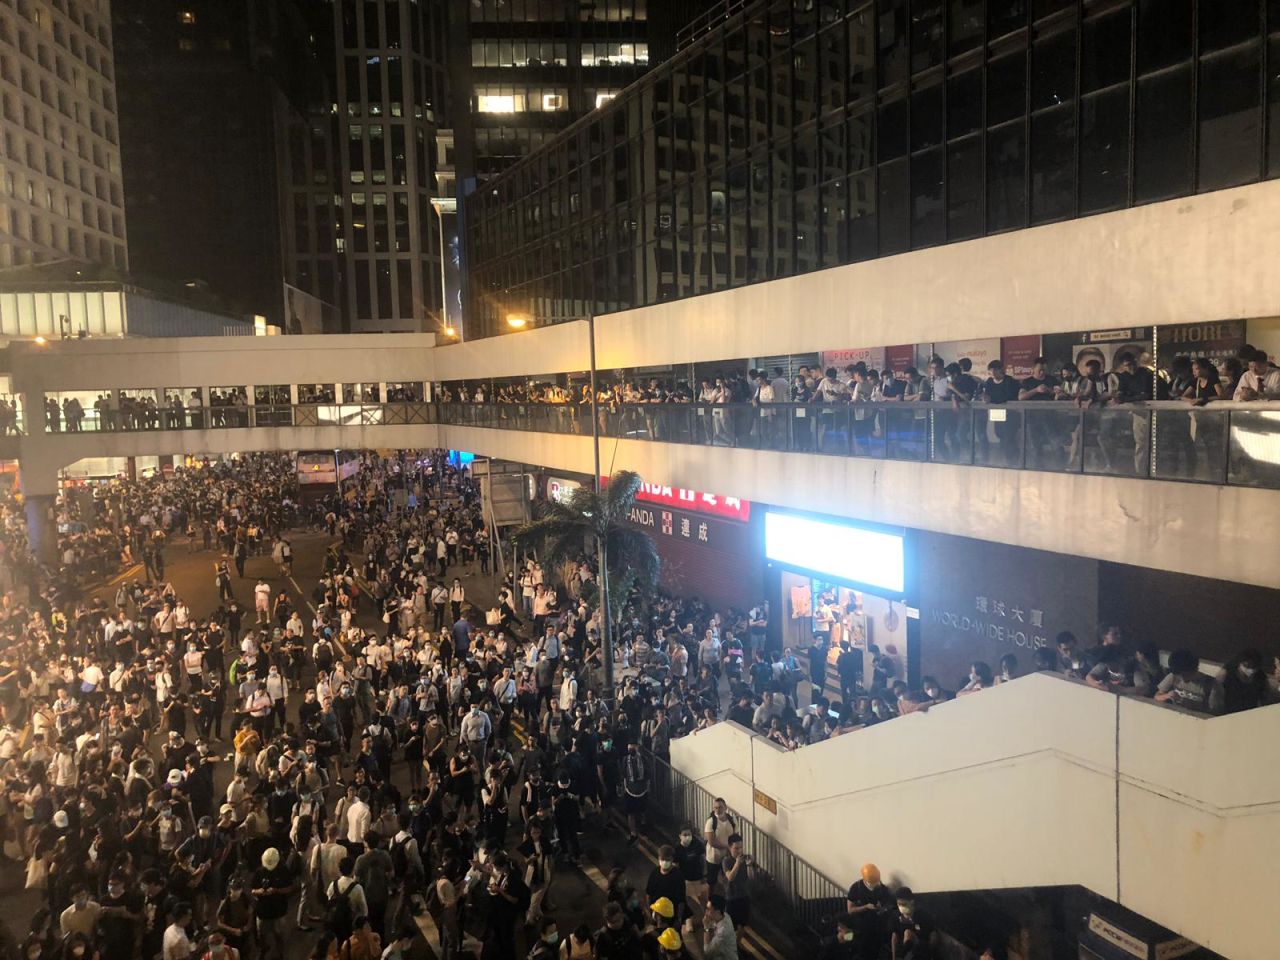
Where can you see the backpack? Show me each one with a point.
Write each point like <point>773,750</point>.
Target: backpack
<point>341,916</point>
<point>400,859</point>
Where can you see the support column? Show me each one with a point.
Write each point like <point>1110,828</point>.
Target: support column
<point>38,480</point>
<point>42,526</point>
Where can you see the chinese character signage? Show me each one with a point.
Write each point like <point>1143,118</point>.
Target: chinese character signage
<point>681,498</point>
<point>675,525</point>
<point>980,601</point>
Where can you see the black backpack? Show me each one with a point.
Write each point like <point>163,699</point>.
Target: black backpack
<point>341,916</point>
<point>400,859</point>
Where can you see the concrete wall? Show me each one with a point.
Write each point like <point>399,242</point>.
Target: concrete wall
<point>1036,782</point>
<point>1144,522</point>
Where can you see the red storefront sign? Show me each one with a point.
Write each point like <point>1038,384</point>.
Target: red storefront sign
<point>731,508</point>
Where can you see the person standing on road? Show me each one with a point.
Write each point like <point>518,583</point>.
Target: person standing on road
<point>737,868</point>
<point>261,597</point>
<point>635,787</point>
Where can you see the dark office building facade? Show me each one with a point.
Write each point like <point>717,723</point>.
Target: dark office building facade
<point>205,85</point>
<point>536,66</point>
<point>798,136</point>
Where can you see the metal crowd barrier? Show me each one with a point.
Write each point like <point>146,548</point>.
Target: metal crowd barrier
<point>813,899</point>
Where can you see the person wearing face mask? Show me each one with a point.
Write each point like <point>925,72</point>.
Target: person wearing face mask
<point>547,947</point>
<point>910,930</point>
<point>217,948</point>
<point>120,921</point>
<point>867,904</point>
<point>475,730</point>
<point>509,904</point>
<point>691,863</point>
<point>841,945</point>
<point>76,946</point>
<point>82,916</point>
<point>667,882</point>
<point>617,939</point>
<point>1244,685</point>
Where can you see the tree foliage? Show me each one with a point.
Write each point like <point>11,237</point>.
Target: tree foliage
<point>561,532</point>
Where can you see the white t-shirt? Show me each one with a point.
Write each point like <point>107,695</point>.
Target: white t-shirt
<point>176,944</point>
<point>722,830</point>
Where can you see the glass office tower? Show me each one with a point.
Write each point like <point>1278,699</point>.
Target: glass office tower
<point>798,136</point>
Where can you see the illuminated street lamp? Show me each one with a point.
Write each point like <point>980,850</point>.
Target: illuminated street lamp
<point>517,321</point>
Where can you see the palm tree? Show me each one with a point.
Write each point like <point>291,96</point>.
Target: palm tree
<point>628,557</point>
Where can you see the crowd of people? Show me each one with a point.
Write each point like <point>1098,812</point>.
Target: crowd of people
<point>183,782</point>
<point>1098,423</point>
<point>345,758</point>
<point>1249,375</point>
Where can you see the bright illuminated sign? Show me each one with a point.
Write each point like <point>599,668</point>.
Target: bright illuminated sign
<point>682,498</point>
<point>560,490</point>
<point>852,554</point>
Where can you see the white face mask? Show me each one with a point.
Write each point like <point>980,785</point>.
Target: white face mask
<point>1247,672</point>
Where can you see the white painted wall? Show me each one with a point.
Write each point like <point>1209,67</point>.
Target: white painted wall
<point>1023,785</point>
<point>1144,522</point>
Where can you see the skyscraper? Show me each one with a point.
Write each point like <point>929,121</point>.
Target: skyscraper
<point>61,196</point>
<point>207,90</point>
<point>391,91</point>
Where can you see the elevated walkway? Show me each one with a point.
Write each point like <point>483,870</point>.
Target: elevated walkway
<point>1039,782</point>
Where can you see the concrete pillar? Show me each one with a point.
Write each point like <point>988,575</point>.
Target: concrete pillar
<point>42,526</point>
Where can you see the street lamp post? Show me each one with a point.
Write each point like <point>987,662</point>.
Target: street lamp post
<point>602,547</point>
<point>519,321</point>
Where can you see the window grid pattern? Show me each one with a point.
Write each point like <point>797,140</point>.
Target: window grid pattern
<point>802,136</point>
<point>384,227</point>
<point>61,193</point>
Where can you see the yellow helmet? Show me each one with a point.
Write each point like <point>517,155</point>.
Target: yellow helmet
<point>669,939</point>
<point>870,873</point>
<point>663,908</point>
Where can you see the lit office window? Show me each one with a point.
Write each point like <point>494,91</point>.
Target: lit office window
<point>603,98</point>
<point>552,102</point>
<point>496,103</point>
<point>187,17</point>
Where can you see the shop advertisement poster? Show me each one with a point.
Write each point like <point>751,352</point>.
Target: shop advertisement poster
<point>1018,354</point>
<point>981,352</point>
<point>1216,339</point>
<point>873,357</point>
<point>898,358</point>
<point>1101,345</point>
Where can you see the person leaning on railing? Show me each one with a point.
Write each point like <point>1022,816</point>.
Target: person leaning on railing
<point>1260,381</point>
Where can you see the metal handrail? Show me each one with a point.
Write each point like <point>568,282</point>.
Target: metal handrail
<point>813,898</point>
<point>1224,442</point>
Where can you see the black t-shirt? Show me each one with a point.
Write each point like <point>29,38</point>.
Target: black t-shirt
<point>1002,392</point>
<point>860,895</point>
<point>691,861</point>
<point>117,932</point>
<point>272,906</point>
<point>743,715</point>
<point>1047,381</point>
<point>669,885</point>
<point>921,928</point>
